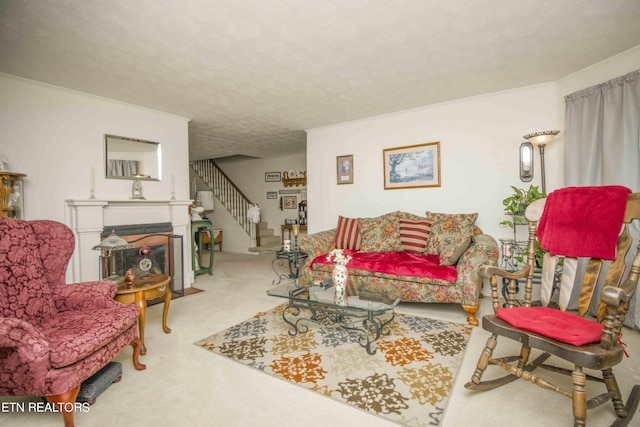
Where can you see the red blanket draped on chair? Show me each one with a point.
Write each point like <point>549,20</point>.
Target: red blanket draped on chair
<point>583,221</point>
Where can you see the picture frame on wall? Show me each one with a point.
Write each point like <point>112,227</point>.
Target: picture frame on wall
<point>290,202</point>
<point>344,168</point>
<point>412,166</point>
<point>272,195</point>
<point>272,177</point>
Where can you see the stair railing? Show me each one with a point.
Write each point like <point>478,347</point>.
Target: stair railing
<point>228,194</point>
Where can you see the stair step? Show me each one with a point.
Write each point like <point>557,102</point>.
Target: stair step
<point>270,241</point>
<point>266,232</point>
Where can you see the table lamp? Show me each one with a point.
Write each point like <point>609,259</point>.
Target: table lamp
<point>106,247</point>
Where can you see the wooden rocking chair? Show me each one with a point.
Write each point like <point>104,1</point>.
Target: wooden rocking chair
<point>560,333</point>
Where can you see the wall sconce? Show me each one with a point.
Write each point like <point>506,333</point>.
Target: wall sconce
<point>541,139</point>
<point>526,162</point>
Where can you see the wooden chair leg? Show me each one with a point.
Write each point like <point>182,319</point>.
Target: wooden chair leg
<point>631,408</point>
<point>136,354</point>
<point>579,397</point>
<point>67,404</point>
<point>483,362</point>
<point>612,387</point>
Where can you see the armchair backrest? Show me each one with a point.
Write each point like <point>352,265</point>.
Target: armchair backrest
<point>25,292</point>
<point>56,243</point>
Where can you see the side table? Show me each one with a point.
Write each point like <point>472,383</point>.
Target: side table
<point>141,291</point>
<point>196,250</point>
<point>293,257</point>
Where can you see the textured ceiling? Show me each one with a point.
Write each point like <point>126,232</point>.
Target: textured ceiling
<point>252,75</point>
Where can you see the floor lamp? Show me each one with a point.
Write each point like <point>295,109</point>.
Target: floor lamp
<point>541,139</point>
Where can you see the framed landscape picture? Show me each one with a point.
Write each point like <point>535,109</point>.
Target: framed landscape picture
<point>272,176</point>
<point>272,194</point>
<point>412,166</point>
<point>344,167</point>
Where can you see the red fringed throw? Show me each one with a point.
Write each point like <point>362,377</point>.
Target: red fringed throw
<point>583,221</point>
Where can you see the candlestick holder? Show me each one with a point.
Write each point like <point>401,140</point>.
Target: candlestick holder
<point>295,230</point>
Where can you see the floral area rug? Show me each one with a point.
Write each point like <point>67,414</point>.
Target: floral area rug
<point>407,380</point>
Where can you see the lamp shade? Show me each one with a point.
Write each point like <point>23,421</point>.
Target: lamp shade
<point>206,199</point>
<point>113,242</point>
<point>542,138</point>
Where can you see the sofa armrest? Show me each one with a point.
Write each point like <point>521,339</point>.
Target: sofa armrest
<point>315,245</point>
<point>23,371</point>
<point>483,251</point>
<point>86,295</point>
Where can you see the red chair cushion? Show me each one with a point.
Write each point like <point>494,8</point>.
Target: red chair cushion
<point>559,325</point>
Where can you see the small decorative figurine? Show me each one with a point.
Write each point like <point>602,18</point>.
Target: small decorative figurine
<point>130,276</point>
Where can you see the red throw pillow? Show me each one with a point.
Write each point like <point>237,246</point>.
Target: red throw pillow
<point>557,324</point>
<point>347,234</point>
<point>414,235</point>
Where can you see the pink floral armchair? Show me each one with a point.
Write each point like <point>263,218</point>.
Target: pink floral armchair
<point>53,336</point>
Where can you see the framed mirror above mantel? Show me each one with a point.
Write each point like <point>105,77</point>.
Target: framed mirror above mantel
<point>133,159</point>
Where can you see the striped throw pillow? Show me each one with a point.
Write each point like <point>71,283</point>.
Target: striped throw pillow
<point>347,234</point>
<point>414,235</point>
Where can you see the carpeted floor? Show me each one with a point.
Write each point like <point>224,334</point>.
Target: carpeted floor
<point>407,380</point>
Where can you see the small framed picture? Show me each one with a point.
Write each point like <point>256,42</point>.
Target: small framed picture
<point>272,177</point>
<point>290,202</point>
<point>272,194</point>
<point>344,167</point>
<point>412,166</point>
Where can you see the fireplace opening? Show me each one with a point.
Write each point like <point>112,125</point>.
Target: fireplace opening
<point>166,253</point>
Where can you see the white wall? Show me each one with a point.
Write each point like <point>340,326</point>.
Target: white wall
<point>479,140</point>
<point>56,135</point>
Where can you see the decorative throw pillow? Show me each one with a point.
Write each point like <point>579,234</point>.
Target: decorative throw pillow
<point>411,217</point>
<point>414,235</point>
<point>347,234</point>
<point>381,234</point>
<point>450,236</point>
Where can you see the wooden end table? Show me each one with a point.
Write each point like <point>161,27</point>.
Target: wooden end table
<point>141,291</point>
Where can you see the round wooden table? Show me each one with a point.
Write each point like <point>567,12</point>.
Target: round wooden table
<point>141,291</point>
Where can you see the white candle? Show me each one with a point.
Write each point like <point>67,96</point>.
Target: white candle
<point>92,187</point>
<point>173,184</point>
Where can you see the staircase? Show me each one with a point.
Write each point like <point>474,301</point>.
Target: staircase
<point>267,238</point>
<point>236,203</point>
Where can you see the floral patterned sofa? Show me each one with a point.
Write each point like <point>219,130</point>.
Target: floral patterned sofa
<point>430,259</point>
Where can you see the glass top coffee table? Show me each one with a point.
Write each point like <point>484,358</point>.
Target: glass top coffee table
<point>369,319</point>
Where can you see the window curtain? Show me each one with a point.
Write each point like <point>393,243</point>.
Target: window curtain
<point>122,168</point>
<point>602,143</point>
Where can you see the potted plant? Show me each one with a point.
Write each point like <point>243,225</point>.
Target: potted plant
<point>516,203</point>
<point>514,206</point>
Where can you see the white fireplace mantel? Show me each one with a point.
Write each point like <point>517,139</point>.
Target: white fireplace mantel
<point>88,218</point>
